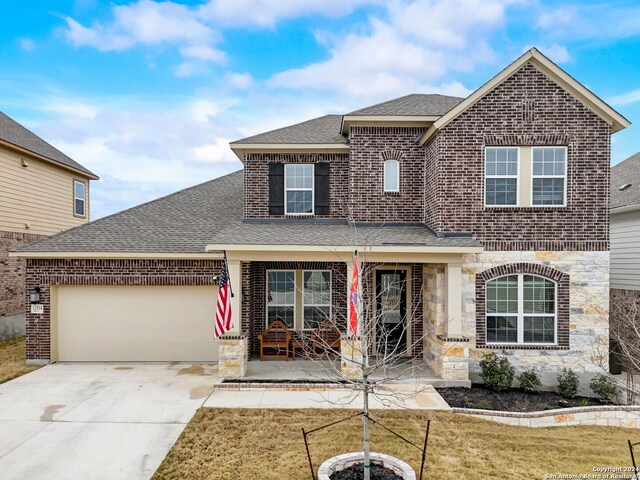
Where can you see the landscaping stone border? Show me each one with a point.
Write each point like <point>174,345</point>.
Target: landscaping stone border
<point>340,462</point>
<point>606,416</point>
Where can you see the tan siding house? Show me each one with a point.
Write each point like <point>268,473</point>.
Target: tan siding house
<point>625,250</point>
<point>42,192</point>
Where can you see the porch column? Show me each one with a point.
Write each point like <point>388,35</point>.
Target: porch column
<point>453,274</point>
<point>232,354</point>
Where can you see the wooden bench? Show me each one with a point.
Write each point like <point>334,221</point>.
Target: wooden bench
<point>326,338</point>
<point>277,336</point>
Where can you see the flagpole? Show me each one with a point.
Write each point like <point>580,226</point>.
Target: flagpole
<point>226,264</point>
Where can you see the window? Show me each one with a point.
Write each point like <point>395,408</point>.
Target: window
<point>501,176</point>
<point>521,309</point>
<point>281,296</point>
<point>79,198</point>
<point>549,176</point>
<point>316,297</point>
<point>391,176</point>
<point>298,187</point>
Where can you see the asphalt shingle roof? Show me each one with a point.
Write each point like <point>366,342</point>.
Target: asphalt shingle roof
<point>324,130</point>
<point>14,133</point>
<point>414,104</point>
<point>211,213</point>
<point>627,171</point>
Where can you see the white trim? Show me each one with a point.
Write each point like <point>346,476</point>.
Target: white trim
<point>384,176</point>
<point>546,66</point>
<point>347,120</point>
<point>230,247</point>
<point>312,189</point>
<point>266,297</point>
<point>330,304</point>
<point>240,149</point>
<point>211,255</point>
<point>520,315</point>
<point>516,176</point>
<point>564,177</point>
<point>624,209</point>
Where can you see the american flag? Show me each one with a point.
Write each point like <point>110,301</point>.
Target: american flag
<point>223,310</point>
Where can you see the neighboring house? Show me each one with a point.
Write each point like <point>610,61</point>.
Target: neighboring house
<point>493,207</point>
<point>625,225</point>
<point>42,192</point>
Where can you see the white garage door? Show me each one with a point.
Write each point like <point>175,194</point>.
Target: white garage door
<point>135,323</point>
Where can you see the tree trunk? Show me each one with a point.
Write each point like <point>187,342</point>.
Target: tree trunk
<point>365,419</point>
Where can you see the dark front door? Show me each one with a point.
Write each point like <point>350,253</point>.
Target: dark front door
<point>391,301</point>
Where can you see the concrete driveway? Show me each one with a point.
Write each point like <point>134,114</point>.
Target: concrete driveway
<point>97,421</point>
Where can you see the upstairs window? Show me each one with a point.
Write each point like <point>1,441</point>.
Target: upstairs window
<point>549,176</point>
<point>391,176</point>
<point>521,309</point>
<point>501,176</point>
<point>79,198</point>
<point>298,186</point>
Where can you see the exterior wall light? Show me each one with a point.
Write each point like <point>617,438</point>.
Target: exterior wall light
<point>35,295</point>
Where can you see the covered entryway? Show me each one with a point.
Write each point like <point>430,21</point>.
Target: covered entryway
<point>133,323</point>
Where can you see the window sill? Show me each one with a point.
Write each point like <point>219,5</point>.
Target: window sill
<point>517,346</point>
<point>525,208</point>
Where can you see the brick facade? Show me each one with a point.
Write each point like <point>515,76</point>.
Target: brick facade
<point>12,292</point>
<point>368,202</point>
<point>256,181</point>
<point>499,119</point>
<point>45,273</point>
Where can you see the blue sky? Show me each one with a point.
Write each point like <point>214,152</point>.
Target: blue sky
<point>147,94</point>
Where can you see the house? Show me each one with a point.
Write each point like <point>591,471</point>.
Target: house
<point>42,192</point>
<point>492,210</point>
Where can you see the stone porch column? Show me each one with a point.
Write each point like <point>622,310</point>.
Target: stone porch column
<point>453,299</point>
<point>232,353</point>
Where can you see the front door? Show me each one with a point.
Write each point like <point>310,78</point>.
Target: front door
<point>391,302</point>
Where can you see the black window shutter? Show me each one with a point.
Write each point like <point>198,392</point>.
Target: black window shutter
<point>321,188</point>
<point>276,188</point>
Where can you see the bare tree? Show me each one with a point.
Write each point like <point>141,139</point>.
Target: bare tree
<point>624,332</point>
<point>388,346</point>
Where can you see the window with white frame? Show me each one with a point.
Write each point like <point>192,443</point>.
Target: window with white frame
<point>316,297</point>
<point>391,176</point>
<point>501,176</point>
<point>281,296</point>
<point>549,175</point>
<point>79,198</point>
<point>521,309</point>
<point>298,189</point>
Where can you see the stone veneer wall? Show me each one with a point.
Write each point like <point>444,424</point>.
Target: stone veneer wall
<point>44,273</point>
<point>256,181</point>
<point>606,416</point>
<point>588,312</point>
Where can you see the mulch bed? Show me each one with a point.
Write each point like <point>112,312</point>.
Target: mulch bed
<point>512,400</point>
<point>356,472</point>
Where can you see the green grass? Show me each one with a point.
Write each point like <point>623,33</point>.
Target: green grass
<point>232,444</point>
<point>12,359</point>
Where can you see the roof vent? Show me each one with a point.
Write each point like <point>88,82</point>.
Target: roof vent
<point>624,187</point>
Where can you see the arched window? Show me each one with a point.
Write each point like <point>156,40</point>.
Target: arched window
<point>521,309</point>
<point>391,176</point>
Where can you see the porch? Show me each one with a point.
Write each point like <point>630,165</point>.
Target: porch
<point>413,292</point>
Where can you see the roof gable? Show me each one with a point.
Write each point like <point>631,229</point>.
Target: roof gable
<point>13,134</point>
<point>551,70</point>
<point>626,173</point>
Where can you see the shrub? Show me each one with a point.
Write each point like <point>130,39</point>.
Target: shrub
<point>584,402</point>
<point>496,372</point>
<point>568,383</point>
<point>603,386</point>
<point>482,405</point>
<point>529,381</point>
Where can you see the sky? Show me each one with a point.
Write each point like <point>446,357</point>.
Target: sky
<point>148,94</point>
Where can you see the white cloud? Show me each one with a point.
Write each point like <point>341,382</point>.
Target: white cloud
<point>557,53</point>
<point>203,52</point>
<point>267,13</point>
<point>626,98</point>
<point>239,80</point>
<point>412,49</point>
<point>27,44</point>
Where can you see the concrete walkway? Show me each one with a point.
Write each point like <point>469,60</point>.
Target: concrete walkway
<point>393,396</point>
<point>96,421</point>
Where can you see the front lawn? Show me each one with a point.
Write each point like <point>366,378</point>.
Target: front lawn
<point>234,444</point>
<point>12,359</point>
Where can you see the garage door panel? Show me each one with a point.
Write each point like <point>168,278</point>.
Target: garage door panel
<point>136,323</point>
